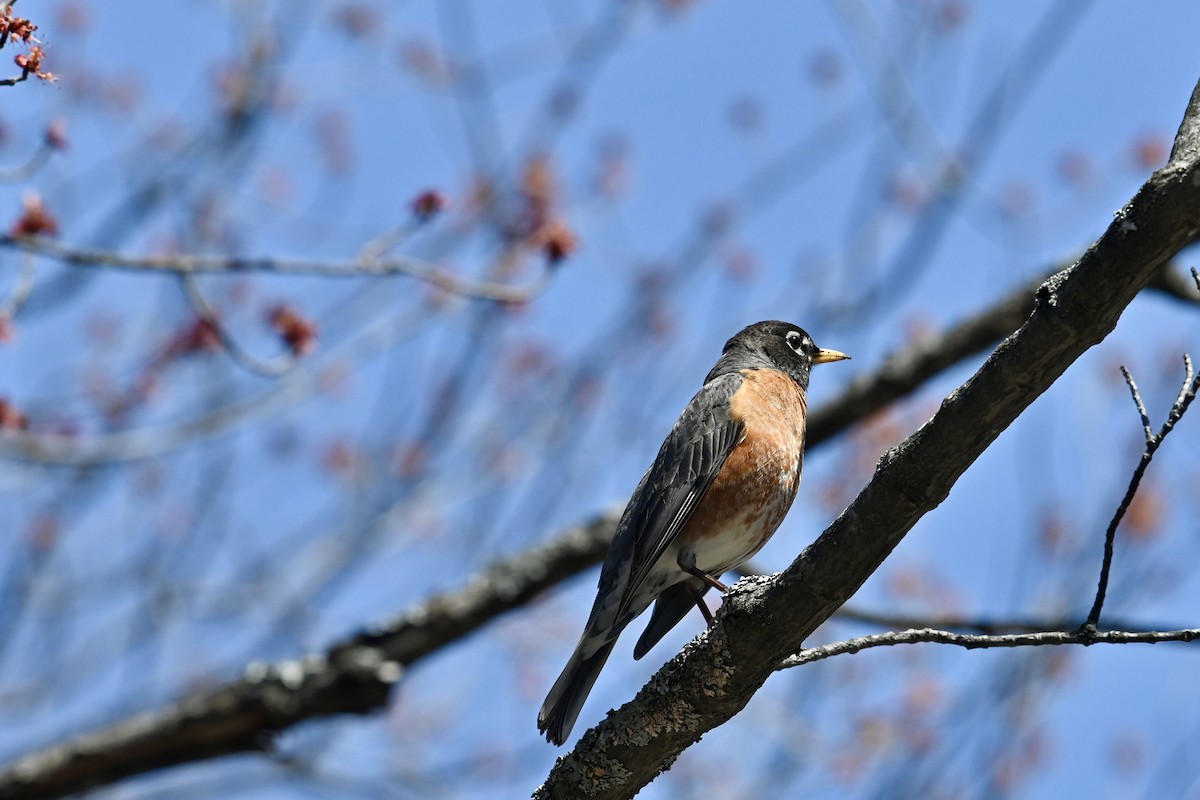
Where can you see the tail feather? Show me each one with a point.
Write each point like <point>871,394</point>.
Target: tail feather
<point>670,607</point>
<point>566,697</point>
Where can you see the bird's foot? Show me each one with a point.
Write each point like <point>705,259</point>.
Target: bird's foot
<point>687,563</point>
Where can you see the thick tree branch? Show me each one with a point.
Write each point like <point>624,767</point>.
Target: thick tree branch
<point>764,621</point>
<point>906,370</point>
<point>354,676</point>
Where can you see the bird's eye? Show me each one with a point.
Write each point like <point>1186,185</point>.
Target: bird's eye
<point>795,341</point>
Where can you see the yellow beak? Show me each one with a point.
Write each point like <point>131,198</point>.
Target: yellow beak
<point>823,356</point>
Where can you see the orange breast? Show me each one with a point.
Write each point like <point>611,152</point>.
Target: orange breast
<point>753,492</point>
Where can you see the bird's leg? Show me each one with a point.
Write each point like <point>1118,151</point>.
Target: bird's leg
<point>698,596</point>
<point>687,563</point>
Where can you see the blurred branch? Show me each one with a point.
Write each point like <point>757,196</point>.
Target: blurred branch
<point>715,676</point>
<point>11,303</point>
<point>905,371</point>
<point>996,109</point>
<point>1187,393</point>
<point>69,449</point>
<point>26,170</point>
<point>274,368</point>
<point>363,267</point>
<point>899,375</point>
<point>1168,281</point>
<point>354,676</point>
<point>982,641</point>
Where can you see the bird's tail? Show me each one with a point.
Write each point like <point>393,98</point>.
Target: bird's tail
<point>566,697</point>
<point>670,607</point>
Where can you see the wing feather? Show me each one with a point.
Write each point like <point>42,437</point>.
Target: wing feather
<point>665,499</point>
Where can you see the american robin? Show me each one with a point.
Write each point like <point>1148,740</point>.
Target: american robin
<point>722,482</point>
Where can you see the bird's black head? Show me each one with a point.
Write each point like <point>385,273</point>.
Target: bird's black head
<point>773,345</point>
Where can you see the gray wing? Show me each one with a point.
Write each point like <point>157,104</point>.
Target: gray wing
<point>665,499</point>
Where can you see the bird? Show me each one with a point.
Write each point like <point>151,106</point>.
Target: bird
<point>721,484</point>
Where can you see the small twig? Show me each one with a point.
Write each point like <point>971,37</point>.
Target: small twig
<point>990,626</point>
<point>1186,394</point>
<point>273,368</point>
<point>977,641</point>
<point>21,289</point>
<point>1137,400</point>
<point>34,163</point>
<point>383,243</point>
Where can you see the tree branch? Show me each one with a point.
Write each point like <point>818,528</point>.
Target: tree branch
<point>266,368</point>
<point>906,370</point>
<point>983,641</point>
<point>764,621</point>
<point>1187,393</point>
<point>363,267</point>
<point>984,625</point>
<point>353,676</point>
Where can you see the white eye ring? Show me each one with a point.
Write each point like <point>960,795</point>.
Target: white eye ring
<point>795,341</point>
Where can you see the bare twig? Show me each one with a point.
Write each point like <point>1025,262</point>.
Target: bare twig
<point>976,624</point>
<point>1187,393</point>
<point>366,266</point>
<point>21,289</point>
<point>980,641</point>
<point>34,163</point>
<point>1137,401</point>
<point>382,244</point>
<point>273,368</point>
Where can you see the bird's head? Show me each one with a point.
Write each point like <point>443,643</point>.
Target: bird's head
<point>774,345</point>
